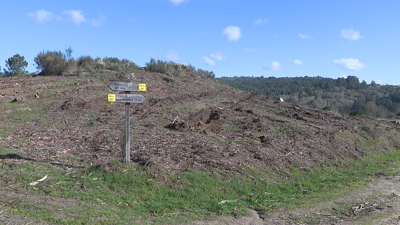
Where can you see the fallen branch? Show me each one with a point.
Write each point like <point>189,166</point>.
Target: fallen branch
<point>38,181</point>
<point>225,201</point>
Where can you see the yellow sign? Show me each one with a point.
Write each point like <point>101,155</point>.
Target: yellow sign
<point>141,87</point>
<point>111,97</point>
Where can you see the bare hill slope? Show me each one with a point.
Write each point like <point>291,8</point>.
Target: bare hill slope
<point>221,129</point>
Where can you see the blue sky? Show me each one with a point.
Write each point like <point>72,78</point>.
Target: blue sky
<point>279,38</point>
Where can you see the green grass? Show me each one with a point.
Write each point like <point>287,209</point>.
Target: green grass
<point>129,193</point>
<point>26,115</point>
<point>3,134</point>
<point>229,128</point>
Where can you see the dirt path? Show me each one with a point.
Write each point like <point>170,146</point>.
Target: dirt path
<point>379,203</point>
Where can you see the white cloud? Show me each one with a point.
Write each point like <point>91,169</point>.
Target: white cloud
<point>42,16</point>
<point>304,36</point>
<point>75,15</point>
<point>297,62</point>
<point>249,50</point>
<point>218,56</point>
<point>177,2</point>
<point>351,34</point>
<point>209,61</point>
<point>99,22</point>
<point>260,21</point>
<point>233,33</point>
<point>274,66</point>
<point>173,56</point>
<point>350,63</point>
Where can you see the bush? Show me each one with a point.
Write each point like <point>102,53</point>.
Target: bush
<point>71,64</point>
<point>113,63</point>
<point>86,63</point>
<point>1,73</point>
<point>16,66</point>
<point>51,63</point>
<point>160,66</point>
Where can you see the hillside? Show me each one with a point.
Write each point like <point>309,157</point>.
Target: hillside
<point>345,95</point>
<point>67,122</point>
<point>220,129</point>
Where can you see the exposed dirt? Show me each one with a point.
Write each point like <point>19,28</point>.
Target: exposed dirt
<point>185,122</point>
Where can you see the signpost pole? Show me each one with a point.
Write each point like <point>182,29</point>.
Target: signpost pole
<point>127,98</point>
<point>127,133</point>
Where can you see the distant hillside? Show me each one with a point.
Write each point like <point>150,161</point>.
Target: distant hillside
<point>349,96</point>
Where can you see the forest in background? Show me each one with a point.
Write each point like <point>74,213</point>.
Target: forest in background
<point>345,95</point>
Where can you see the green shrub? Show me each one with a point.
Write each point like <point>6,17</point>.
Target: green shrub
<point>85,62</point>
<point>113,63</point>
<point>160,66</point>
<point>71,65</point>
<point>51,63</point>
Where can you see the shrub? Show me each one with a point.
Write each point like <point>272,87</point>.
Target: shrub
<point>1,73</point>
<point>16,66</point>
<point>151,66</point>
<point>85,62</point>
<point>113,63</point>
<point>71,64</point>
<point>158,66</point>
<point>176,69</point>
<point>51,63</point>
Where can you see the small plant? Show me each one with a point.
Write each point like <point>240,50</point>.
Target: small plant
<point>228,128</point>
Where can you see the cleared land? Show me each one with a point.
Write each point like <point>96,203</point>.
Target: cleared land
<point>228,152</point>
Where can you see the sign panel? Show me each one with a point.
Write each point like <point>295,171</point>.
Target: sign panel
<point>111,97</point>
<point>141,87</point>
<point>123,86</point>
<point>129,98</point>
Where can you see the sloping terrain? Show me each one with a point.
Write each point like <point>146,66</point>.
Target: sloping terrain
<point>219,128</point>
<point>185,123</point>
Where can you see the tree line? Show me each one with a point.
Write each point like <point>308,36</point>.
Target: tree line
<point>345,95</point>
<point>59,63</point>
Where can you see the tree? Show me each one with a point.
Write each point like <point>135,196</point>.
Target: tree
<point>16,66</point>
<point>371,109</point>
<point>68,52</point>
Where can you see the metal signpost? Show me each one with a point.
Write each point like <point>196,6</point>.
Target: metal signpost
<point>127,98</point>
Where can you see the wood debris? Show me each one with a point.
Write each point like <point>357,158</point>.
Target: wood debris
<point>38,181</point>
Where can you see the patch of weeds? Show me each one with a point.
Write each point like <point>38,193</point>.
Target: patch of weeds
<point>26,115</point>
<point>3,134</point>
<point>6,151</point>
<point>298,136</point>
<point>229,128</point>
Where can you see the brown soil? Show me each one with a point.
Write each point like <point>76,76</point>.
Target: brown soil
<point>219,128</point>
